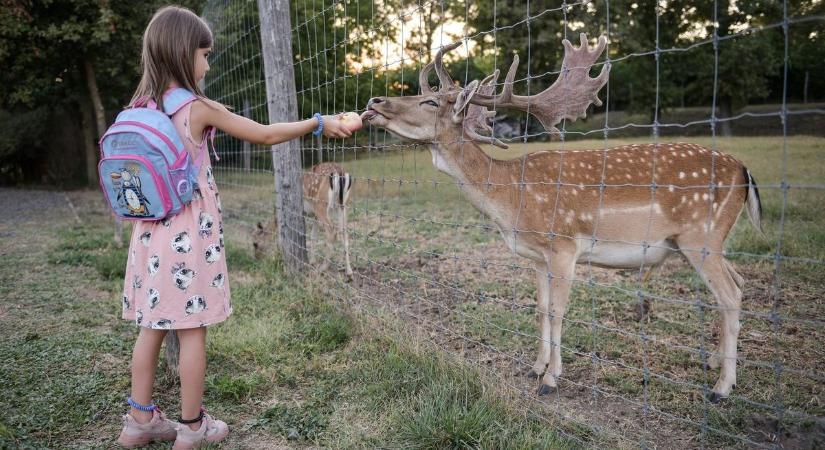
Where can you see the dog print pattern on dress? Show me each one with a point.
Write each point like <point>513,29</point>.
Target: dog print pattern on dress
<point>194,305</point>
<point>181,243</point>
<point>213,253</point>
<point>205,223</point>
<point>182,276</point>
<point>154,265</point>
<point>153,298</point>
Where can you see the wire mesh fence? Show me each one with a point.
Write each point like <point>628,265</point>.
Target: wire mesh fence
<point>638,350</point>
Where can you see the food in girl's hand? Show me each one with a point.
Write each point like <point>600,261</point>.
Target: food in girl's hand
<point>351,121</point>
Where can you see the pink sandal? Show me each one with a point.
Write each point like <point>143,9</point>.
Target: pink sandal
<point>211,430</point>
<point>136,434</point>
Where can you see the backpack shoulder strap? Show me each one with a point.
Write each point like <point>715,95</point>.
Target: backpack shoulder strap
<point>175,99</point>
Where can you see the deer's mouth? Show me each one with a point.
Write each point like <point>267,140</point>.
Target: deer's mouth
<point>370,115</point>
<point>374,118</point>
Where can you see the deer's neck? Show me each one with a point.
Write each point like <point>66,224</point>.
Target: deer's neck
<point>487,182</point>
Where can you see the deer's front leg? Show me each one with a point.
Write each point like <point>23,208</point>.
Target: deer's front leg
<point>346,241</point>
<point>313,231</point>
<point>542,314</point>
<point>330,239</point>
<point>562,267</point>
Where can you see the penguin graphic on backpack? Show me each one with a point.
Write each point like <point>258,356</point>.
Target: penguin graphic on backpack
<point>129,194</point>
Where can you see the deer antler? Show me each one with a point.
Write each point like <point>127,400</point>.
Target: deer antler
<point>444,78</point>
<point>476,116</point>
<point>568,97</point>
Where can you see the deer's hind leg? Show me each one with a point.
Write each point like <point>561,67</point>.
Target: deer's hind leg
<point>724,283</point>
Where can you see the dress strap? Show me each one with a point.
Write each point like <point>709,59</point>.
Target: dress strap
<point>207,136</point>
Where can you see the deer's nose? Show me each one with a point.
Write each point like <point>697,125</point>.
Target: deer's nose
<point>375,101</point>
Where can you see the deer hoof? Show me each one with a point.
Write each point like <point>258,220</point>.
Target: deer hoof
<point>715,397</point>
<point>546,389</point>
<point>532,374</point>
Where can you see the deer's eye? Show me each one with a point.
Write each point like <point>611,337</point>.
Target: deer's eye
<point>430,102</point>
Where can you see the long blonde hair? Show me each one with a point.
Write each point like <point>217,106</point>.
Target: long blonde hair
<point>169,44</point>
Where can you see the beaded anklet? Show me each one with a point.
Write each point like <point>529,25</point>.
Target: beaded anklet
<point>138,406</point>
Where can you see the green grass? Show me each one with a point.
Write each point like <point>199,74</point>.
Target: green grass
<point>289,363</point>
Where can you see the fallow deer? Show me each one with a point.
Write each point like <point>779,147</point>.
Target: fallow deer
<point>624,207</point>
<point>326,198</point>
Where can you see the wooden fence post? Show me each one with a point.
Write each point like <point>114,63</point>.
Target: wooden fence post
<point>282,104</point>
<point>172,352</point>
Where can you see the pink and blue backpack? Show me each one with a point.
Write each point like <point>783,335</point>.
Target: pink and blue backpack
<point>145,171</point>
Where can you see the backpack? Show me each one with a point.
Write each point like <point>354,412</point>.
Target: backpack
<point>145,171</point>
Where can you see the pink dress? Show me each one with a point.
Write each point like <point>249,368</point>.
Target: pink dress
<point>176,270</point>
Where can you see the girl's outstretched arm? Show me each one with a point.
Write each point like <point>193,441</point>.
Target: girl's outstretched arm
<point>214,114</point>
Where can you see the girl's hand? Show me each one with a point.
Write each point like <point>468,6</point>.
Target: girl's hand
<point>334,127</point>
<point>351,120</point>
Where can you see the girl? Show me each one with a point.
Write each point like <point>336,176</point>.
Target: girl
<point>176,274</point>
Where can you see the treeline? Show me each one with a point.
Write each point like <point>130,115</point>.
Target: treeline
<point>70,65</point>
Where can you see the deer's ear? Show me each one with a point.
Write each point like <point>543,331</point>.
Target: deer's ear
<point>463,100</point>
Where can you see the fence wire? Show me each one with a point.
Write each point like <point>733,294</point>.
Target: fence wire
<point>635,352</point>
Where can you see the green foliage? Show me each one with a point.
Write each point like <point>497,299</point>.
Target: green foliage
<point>44,47</point>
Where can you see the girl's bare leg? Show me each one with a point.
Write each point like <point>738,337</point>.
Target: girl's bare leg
<point>192,372</point>
<point>144,365</point>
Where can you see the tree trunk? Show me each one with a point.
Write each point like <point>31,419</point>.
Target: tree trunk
<point>100,125</point>
<point>89,142</point>
<point>94,95</point>
<point>282,103</point>
<point>725,111</point>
